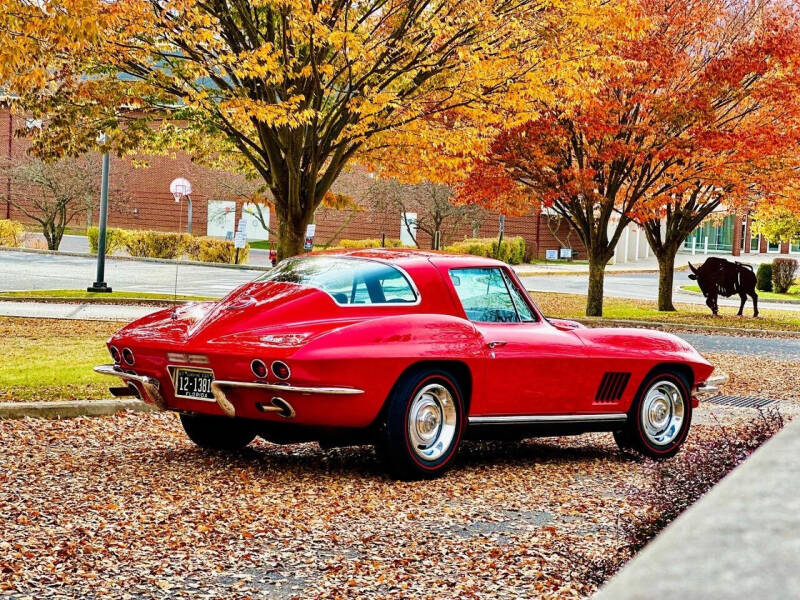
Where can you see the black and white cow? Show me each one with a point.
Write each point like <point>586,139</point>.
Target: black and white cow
<point>720,277</point>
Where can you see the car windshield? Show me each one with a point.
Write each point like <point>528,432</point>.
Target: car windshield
<point>488,296</point>
<point>350,281</point>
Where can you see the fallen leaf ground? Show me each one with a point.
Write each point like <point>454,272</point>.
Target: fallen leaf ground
<point>127,507</point>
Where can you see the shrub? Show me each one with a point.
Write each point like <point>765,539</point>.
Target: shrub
<point>208,249</point>
<point>784,270</point>
<point>156,244</point>
<point>115,239</point>
<point>369,243</point>
<point>512,250</point>
<point>11,233</point>
<point>764,277</point>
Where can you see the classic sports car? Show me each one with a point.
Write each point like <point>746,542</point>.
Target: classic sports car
<point>408,350</point>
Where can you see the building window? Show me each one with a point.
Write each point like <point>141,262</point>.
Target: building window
<point>718,235</point>
<point>773,247</point>
<point>794,246</point>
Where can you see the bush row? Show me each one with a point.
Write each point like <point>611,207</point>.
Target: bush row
<point>159,244</point>
<point>11,233</point>
<point>511,251</point>
<point>369,243</point>
<point>778,276</point>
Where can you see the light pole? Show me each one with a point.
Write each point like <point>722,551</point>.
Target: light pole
<point>100,285</point>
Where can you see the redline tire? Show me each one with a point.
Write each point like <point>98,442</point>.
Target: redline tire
<point>424,425</point>
<point>217,433</point>
<point>660,416</point>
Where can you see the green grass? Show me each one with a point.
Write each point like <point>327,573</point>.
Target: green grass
<point>84,295</point>
<point>571,306</point>
<point>260,244</point>
<point>793,296</point>
<point>51,359</point>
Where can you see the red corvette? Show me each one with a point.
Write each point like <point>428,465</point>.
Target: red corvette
<point>409,350</point>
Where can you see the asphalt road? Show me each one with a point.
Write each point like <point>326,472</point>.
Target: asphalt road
<point>639,286</point>
<point>27,271</point>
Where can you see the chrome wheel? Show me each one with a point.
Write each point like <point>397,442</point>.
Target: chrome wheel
<point>663,411</point>
<point>432,422</point>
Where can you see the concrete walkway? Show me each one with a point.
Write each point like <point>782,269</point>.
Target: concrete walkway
<point>740,541</point>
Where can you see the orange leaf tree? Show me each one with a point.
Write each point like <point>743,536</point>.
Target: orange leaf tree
<point>700,110</point>
<point>294,89</point>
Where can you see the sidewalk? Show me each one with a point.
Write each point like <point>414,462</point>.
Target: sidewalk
<point>741,540</point>
<point>88,312</point>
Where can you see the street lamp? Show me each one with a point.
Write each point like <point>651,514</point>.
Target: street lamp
<point>100,285</point>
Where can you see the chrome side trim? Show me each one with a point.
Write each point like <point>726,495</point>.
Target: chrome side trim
<point>148,385</point>
<point>536,419</point>
<point>217,388</point>
<point>711,385</point>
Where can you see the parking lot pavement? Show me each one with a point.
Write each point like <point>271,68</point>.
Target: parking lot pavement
<point>28,271</point>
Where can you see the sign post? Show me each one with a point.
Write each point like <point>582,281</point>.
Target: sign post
<point>240,239</point>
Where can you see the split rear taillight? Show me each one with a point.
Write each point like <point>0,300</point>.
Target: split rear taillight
<point>114,354</point>
<point>259,368</point>
<point>281,370</point>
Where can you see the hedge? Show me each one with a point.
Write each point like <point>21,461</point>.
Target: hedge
<point>512,250</point>
<point>11,233</point>
<point>764,277</point>
<point>369,243</point>
<point>160,244</point>
<point>115,239</point>
<point>208,249</point>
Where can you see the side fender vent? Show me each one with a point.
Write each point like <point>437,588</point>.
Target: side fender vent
<point>612,386</point>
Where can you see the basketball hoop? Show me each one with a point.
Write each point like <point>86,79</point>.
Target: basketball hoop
<point>179,188</point>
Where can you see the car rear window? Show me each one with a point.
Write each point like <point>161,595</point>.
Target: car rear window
<point>350,281</point>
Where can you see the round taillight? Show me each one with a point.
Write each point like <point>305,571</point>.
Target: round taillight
<point>258,368</point>
<point>127,356</point>
<point>114,353</point>
<point>281,370</point>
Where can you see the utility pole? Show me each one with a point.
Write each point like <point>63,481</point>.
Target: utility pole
<point>100,285</point>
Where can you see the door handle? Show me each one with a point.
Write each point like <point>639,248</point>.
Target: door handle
<point>493,345</point>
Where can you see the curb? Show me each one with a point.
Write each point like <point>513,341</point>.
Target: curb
<point>740,332</point>
<point>169,261</point>
<point>71,409</point>
<point>104,301</point>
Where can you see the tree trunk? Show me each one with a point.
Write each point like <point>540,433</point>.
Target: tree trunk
<point>291,238</point>
<point>666,276</point>
<point>594,300</point>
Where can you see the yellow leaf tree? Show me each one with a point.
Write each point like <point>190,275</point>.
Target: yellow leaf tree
<point>294,90</point>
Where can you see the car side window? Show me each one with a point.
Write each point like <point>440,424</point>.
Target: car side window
<point>484,295</point>
<point>523,308</point>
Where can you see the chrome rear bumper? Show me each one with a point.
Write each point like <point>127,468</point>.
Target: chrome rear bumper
<point>218,389</point>
<point>147,387</point>
<point>711,386</point>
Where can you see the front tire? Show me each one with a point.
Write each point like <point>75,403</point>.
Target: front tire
<point>660,417</point>
<point>218,433</point>
<point>424,424</point>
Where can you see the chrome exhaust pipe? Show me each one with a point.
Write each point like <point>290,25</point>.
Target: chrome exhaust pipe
<point>277,405</point>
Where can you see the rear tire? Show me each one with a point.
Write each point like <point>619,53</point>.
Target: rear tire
<point>660,417</point>
<point>423,426</point>
<point>218,433</point>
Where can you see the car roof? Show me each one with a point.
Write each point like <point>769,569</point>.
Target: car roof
<point>410,257</point>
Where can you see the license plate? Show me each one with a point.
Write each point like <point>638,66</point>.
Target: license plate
<point>194,384</point>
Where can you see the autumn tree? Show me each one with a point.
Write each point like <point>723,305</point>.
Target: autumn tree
<point>297,88</point>
<point>55,193</point>
<point>700,110</point>
<point>436,215</point>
